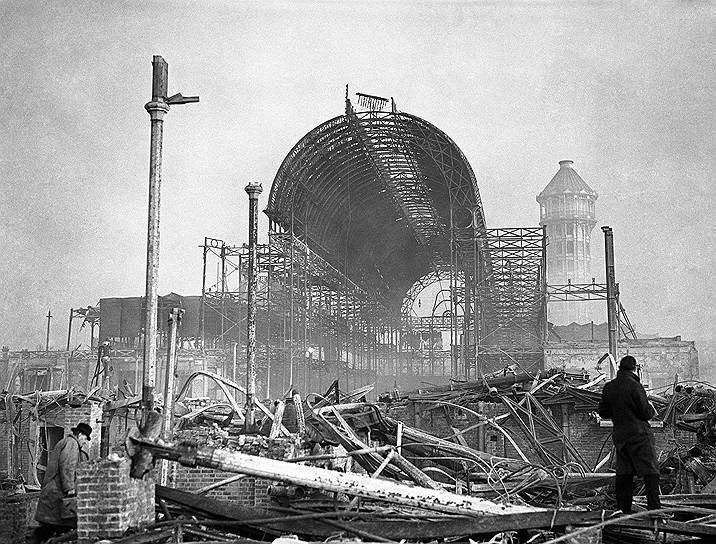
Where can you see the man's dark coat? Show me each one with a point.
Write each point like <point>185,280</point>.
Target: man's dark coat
<point>624,402</point>
<point>59,481</point>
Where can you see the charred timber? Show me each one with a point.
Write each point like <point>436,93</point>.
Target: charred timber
<point>332,481</point>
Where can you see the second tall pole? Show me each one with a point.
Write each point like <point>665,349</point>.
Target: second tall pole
<point>612,293</point>
<point>253,190</point>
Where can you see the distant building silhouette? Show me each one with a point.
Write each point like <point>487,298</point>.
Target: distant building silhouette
<point>567,209</point>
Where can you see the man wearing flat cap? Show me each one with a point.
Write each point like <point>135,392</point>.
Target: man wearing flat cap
<point>624,401</point>
<point>57,505</point>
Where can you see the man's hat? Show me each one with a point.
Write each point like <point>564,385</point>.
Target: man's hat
<point>627,363</point>
<point>83,428</point>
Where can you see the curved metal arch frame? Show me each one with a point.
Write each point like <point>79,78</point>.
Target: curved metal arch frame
<point>352,160</point>
<point>434,276</point>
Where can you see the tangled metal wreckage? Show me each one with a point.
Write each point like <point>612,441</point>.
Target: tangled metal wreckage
<point>334,466</point>
<point>366,211</point>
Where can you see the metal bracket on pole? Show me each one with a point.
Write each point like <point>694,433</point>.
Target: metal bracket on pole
<point>179,99</point>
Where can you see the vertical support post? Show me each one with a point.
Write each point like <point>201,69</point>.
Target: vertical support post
<point>269,278</point>
<point>543,287</point>
<point>291,295</point>
<point>69,328</point>
<point>47,337</point>
<point>234,361</point>
<point>202,309</point>
<point>612,316</point>
<point>222,255</point>
<point>479,313</point>
<point>170,377</point>
<point>467,316</point>
<point>453,300</point>
<point>157,109</point>
<point>253,190</point>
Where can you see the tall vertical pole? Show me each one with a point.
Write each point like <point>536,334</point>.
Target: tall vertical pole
<point>543,288</point>
<point>170,378</point>
<point>202,309</point>
<point>169,385</point>
<point>47,338</point>
<point>157,109</point>
<point>268,322</point>
<point>467,316</point>
<point>453,295</point>
<point>253,190</point>
<point>612,316</point>
<point>69,329</point>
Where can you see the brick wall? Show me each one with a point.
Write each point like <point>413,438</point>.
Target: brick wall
<point>661,358</point>
<point>30,431</point>
<point>592,441</point>
<point>109,501</point>
<point>248,491</point>
<point>69,416</point>
<point>17,511</point>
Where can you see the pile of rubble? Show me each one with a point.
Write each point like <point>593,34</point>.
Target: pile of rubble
<point>360,473</point>
<point>335,466</point>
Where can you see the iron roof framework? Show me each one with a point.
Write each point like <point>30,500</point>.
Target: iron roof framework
<point>377,194</point>
<point>365,211</point>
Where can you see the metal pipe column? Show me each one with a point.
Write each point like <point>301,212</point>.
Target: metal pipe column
<point>157,109</point>
<point>69,329</point>
<point>171,373</point>
<point>253,190</point>
<point>47,338</point>
<point>612,315</point>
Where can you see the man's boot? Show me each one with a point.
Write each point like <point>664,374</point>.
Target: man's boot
<point>624,490</point>
<point>651,485</point>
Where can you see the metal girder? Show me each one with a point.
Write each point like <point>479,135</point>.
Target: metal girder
<point>378,193</point>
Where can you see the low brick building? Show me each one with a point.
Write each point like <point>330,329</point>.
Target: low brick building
<point>661,358</point>
<point>574,420</point>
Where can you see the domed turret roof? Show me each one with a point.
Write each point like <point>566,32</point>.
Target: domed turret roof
<point>566,181</point>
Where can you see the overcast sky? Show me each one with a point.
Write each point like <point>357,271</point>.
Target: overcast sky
<point>624,89</point>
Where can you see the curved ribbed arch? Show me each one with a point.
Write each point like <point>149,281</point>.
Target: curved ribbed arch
<point>374,193</point>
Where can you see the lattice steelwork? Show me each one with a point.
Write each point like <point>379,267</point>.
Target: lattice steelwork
<point>577,292</point>
<point>365,211</point>
<point>509,297</point>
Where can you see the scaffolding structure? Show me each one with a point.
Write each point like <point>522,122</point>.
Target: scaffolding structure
<point>367,211</point>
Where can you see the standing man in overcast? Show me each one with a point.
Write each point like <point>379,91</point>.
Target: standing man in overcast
<point>57,505</point>
<point>624,402</point>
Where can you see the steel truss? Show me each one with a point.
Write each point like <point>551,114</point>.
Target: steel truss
<point>591,291</point>
<point>505,280</point>
<point>366,211</point>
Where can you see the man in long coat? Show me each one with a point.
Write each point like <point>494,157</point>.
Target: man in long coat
<point>624,401</point>
<point>57,505</point>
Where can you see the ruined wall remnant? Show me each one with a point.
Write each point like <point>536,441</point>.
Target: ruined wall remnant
<point>17,512</point>
<point>247,491</point>
<point>661,358</point>
<point>109,501</point>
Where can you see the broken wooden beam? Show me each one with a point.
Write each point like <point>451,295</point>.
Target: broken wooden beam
<point>331,481</point>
